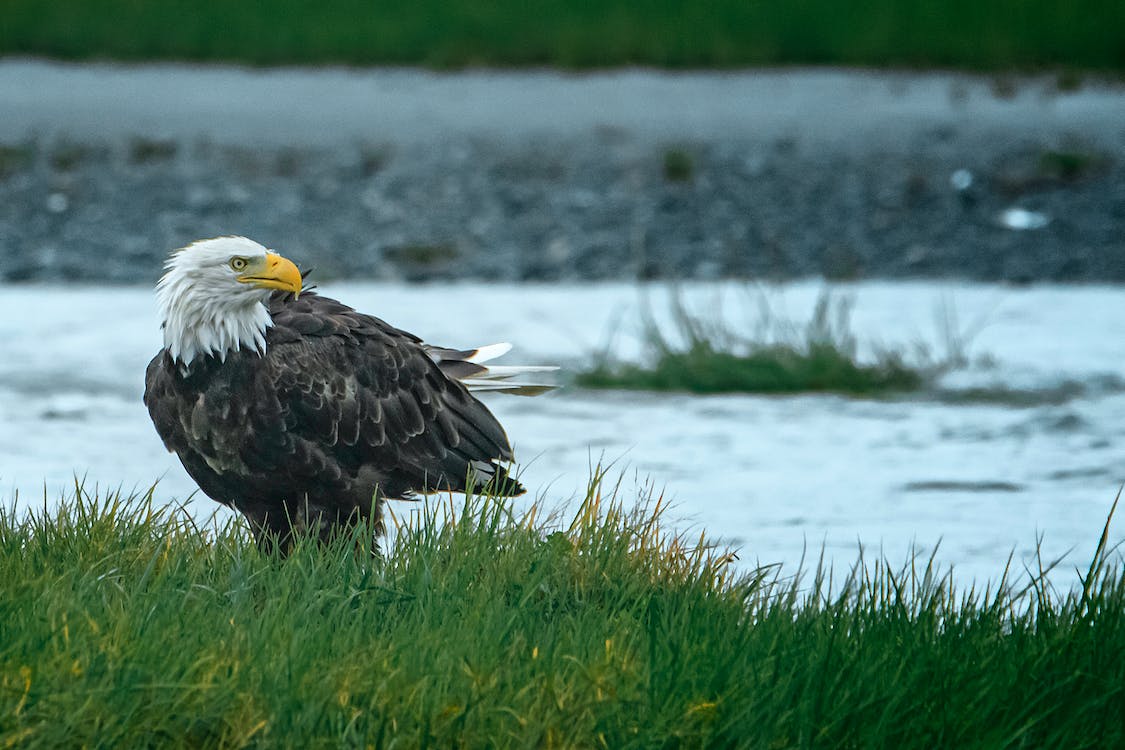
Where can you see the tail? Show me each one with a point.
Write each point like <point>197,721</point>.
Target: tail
<point>465,365</point>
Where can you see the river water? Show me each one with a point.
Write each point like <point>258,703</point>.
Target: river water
<point>1026,446</point>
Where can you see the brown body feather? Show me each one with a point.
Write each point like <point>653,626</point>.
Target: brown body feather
<point>340,412</point>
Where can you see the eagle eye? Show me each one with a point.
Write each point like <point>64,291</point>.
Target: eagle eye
<point>239,264</point>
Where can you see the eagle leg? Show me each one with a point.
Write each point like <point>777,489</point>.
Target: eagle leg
<point>276,532</point>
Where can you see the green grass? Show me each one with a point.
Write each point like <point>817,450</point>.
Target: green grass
<point>709,356</point>
<point>678,165</point>
<point>123,625</point>
<point>985,34</point>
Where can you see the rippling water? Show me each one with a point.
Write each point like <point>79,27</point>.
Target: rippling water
<point>1029,441</point>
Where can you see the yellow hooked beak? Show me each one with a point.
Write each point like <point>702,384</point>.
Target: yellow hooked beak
<point>275,272</point>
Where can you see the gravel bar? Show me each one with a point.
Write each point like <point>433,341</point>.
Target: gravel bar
<point>542,175</point>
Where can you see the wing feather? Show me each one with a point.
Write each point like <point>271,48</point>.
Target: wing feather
<point>391,406</point>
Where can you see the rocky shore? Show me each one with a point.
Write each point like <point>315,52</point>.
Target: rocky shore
<point>542,176</point>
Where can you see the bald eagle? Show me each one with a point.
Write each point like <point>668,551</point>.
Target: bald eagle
<point>303,414</point>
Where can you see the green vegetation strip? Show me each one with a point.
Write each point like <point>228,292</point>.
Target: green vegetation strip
<point>123,625</point>
<point>709,356</point>
<point>771,369</point>
<point>975,34</point>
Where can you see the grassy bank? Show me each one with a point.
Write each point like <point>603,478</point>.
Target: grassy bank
<point>124,626</point>
<point>707,354</point>
<point>991,34</point>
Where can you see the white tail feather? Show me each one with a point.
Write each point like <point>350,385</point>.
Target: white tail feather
<point>498,378</point>
<point>490,352</point>
<point>513,389</point>
<point>499,372</point>
<point>466,366</point>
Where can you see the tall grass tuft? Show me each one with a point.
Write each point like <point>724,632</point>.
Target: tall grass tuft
<point>123,624</point>
<point>702,355</point>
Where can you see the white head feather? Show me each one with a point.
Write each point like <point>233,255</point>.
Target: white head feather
<point>206,309</point>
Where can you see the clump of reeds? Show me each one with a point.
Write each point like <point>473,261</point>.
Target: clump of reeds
<point>772,355</point>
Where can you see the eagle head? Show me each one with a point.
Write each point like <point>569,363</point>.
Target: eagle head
<point>213,293</point>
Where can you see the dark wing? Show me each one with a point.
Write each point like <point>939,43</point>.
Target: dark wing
<point>201,419</point>
<point>370,398</point>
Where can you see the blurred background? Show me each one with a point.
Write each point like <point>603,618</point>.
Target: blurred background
<point>825,274</point>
